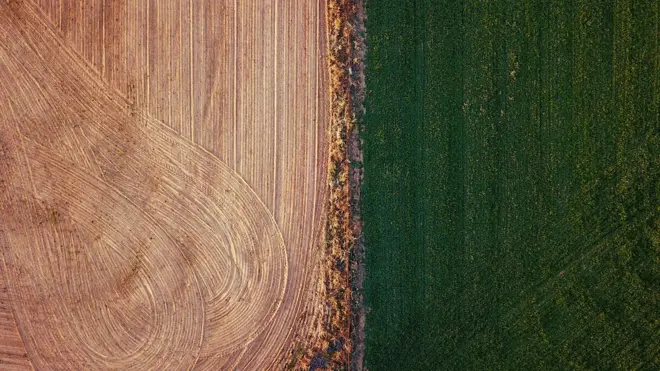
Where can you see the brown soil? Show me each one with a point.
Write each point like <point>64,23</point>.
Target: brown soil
<point>163,169</point>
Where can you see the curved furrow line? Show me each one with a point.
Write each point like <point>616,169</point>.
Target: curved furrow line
<point>112,286</point>
<point>230,243</point>
<point>140,59</point>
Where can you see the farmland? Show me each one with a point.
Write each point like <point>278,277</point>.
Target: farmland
<point>511,182</point>
<point>163,171</point>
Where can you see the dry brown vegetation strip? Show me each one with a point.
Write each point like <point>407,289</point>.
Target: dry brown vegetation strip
<point>162,181</point>
<point>333,345</point>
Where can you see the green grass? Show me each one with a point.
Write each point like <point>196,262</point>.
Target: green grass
<point>506,142</point>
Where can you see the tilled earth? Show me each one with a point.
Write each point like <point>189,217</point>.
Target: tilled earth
<point>162,172</point>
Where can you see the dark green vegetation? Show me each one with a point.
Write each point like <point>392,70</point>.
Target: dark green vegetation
<point>512,174</point>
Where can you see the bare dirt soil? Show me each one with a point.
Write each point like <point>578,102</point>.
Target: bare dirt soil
<point>162,182</point>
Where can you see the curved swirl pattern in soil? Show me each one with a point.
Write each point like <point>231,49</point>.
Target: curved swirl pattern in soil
<point>126,245</point>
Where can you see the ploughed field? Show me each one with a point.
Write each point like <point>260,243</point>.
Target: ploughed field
<point>512,170</point>
<point>162,175</point>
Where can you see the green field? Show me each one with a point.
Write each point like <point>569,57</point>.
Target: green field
<point>512,174</point>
